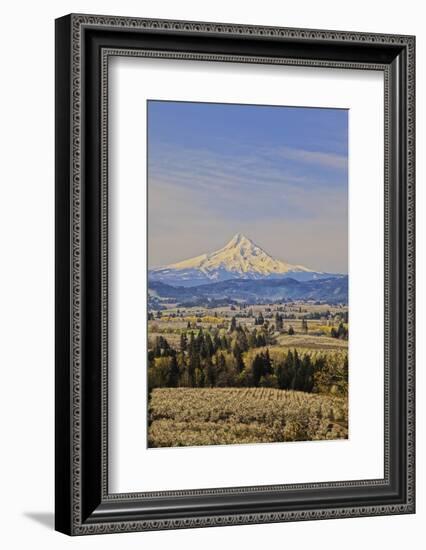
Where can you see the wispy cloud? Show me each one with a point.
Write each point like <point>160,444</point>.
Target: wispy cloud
<point>329,160</point>
<point>219,171</point>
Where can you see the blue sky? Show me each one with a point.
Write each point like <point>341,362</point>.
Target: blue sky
<point>277,174</point>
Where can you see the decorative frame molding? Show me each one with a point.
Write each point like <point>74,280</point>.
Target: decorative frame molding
<point>84,44</point>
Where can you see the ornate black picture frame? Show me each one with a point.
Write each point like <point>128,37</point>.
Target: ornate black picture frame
<point>83,45</point>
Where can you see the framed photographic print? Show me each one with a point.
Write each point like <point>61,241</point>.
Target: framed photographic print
<point>234,274</point>
<point>239,342</point>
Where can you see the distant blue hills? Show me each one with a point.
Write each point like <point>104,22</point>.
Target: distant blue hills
<point>332,290</point>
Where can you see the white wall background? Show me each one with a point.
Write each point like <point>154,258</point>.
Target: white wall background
<point>26,289</point>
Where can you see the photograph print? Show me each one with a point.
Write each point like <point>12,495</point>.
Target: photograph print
<point>248,314</point>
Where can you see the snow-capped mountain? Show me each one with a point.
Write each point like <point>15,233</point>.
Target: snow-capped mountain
<point>241,258</point>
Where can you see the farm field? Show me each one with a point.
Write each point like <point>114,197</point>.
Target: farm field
<point>221,416</point>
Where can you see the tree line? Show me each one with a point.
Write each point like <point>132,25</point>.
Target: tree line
<point>203,360</point>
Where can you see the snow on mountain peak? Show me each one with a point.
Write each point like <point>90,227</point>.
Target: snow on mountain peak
<point>240,257</point>
<point>239,239</point>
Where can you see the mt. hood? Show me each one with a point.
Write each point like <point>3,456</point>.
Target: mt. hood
<point>241,258</point>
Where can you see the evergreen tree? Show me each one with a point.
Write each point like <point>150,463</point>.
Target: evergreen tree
<point>199,377</point>
<point>290,330</point>
<point>216,343</point>
<point>285,372</point>
<point>252,339</point>
<point>267,363</point>
<point>193,360</point>
<point>191,346</point>
<point>238,357</point>
<point>183,371</point>
<point>307,373</point>
<point>208,342</point>
<point>289,366</point>
<point>233,326</point>
<point>279,370</point>
<point>260,341</point>
<point>173,378</point>
<point>221,371</point>
<point>183,342</point>
<point>257,370</point>
<point>296,382</point>
<point>210,373</point>
<point>199,340</point>
<point>242,339</point>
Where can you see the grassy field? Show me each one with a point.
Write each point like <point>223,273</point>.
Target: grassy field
<point>311,341</point>
<point>220,416</point>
